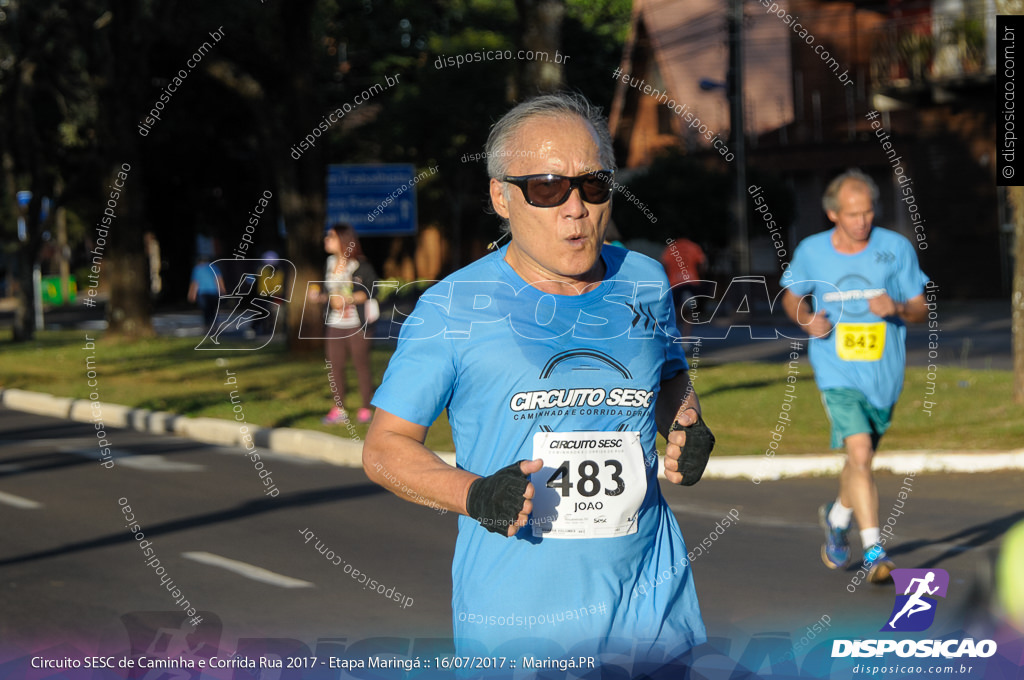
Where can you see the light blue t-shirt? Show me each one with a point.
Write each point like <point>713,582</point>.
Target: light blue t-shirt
<point>205,275</point>
<point>864,352</point>
<point>508,361</point>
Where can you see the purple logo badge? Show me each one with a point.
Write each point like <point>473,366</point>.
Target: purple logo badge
<point>914,609</point>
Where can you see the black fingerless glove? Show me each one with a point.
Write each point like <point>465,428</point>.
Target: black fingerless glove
<point>696,450</point>
<point>497,500</point>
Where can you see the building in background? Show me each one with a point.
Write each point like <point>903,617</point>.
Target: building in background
<point>926,67</point>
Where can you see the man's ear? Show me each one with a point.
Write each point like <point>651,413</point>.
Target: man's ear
<point>833,216</point>
<point>498,199</point>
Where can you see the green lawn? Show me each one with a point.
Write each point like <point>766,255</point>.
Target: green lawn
<point>973,409</point>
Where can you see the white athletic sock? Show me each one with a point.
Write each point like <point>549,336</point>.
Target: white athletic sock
<point>840,515</point>
<point>868,537</point>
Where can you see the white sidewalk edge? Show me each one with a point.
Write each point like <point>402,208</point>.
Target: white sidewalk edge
<point>347,452</point>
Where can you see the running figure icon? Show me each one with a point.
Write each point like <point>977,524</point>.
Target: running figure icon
<point>260,289</point>
<point>251,301</point>
<point>915,604</point>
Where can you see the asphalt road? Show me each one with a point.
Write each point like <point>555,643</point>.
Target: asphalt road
<point>71,574</point>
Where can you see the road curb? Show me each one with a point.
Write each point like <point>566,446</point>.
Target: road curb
<point>898,462</point>
<point>347,452</point>
<point>309,444</point>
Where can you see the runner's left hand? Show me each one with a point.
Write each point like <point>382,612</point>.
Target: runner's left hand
<point>690,443</point>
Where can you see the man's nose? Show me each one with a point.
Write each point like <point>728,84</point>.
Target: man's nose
<point>575,206</point>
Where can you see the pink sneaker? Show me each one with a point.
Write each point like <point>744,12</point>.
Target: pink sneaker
<point>363,415</point>
<point>334,416</point>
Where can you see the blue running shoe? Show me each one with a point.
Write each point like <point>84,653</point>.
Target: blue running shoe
<point>835,553</point>
<point>878,564</point>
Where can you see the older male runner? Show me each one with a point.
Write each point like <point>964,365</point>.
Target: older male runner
<point>554,357</point>
<point>866,285</point>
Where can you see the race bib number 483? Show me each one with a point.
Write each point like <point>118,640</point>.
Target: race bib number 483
<point>860,341</point>
<point>592,484</point>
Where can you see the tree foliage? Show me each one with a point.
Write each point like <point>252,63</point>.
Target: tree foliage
<point>78,80</point>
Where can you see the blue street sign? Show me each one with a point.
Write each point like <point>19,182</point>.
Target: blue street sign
<point>24,198</point>
<point>378,200</point>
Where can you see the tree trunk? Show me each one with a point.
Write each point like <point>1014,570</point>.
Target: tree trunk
<point>32,163</point>
<point>124,265</point>
<point>286,111</point>
<point>24,324</point>
<point>26,258</point>
<point>1016,195</point>
<point>301,182</point>
<point>541,22</point>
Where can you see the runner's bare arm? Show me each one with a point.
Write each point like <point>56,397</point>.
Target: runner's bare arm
<point>395,458</point>
<point>911,311</point>
<point>674,398</point>
<point>815,324</point>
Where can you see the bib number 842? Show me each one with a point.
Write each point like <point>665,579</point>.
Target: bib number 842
<point>852,340</point>
<point>589,483</point>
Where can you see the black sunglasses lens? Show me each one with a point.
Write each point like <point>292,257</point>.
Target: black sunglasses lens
<point>547,191</point>
<point>596,188</point>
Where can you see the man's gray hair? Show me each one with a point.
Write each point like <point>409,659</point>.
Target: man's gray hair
<point>559,105</point>
<point>830,200</point>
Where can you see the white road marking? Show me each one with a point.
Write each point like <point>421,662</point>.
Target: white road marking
<point>149,463</point>
<point>157,463</point>
<point>19,502</point>
<point>761,521</point>
<point>249,571</point>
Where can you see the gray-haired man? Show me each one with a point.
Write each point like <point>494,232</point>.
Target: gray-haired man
<point>554,360</point>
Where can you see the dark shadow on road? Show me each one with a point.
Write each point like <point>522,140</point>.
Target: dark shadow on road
<point>245,511</point>
<point>971,537</point>
<point>41,463</point>
<point>54,460</point>
<point>31,434</point>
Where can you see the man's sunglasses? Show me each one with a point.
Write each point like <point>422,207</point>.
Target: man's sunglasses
<point>549,191</point>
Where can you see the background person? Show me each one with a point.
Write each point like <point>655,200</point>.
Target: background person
<point>578,542</point>
<point>349,278</point>
<point>205,288</point>
<point>866,285</point>
<point>685,263</point>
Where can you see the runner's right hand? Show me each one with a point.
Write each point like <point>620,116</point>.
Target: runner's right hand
<point>502,502</point>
